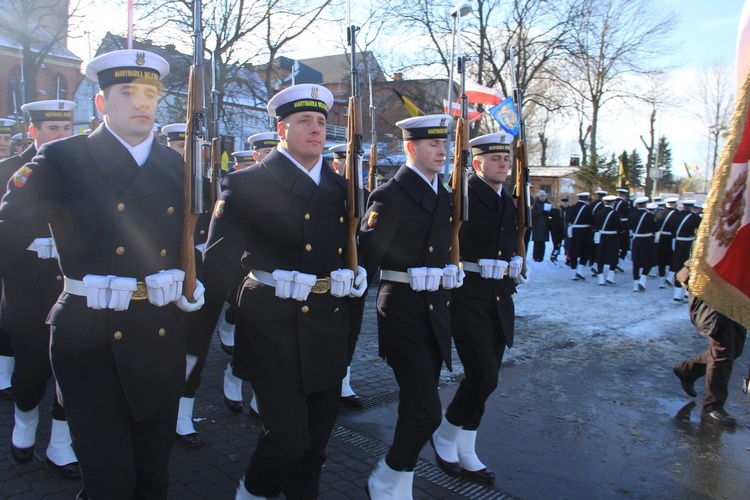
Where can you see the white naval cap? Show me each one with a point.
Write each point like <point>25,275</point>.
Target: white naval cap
<point>652,206</point>
<point>661,203</point>
<point>17,137</point>
<point>498,142</point>
<point>658,198</point>
<point>127,66</point>
<point>641,200</point>
<point>243,155</point>
<point>6,125</point>
<point>609,197</point>
<point>338,151</point>
<point>263,140</point>
<point>425,127</point>
<point>51,110</point>
<point>600,192</point>
<point>671,199</point>
<point>174,131</point>
<point>688,202</point>
<point>623,191</point>
<point>302,97</point>
<point>584,195</point>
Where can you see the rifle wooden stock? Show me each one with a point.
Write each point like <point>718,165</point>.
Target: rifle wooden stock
<point>458,186</point>
<point>353,146</point>
<point>372,168</point>
<point>522,203</point>
<point>193,163</point>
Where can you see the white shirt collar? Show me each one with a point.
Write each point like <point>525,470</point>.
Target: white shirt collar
<point>433,184</point>
<point>313,173</point>
<point>140,151</point>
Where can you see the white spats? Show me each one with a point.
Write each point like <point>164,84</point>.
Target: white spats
<point>387,484</point>
<point>232,385</point>
<point>60,448</point>
<point>444,440</point>
<point>346,389</point>
<point>24,430</point>
<point>185,417</point>
<point>467,456</point>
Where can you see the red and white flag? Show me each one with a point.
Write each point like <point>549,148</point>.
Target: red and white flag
<point>720,270</point>
<point>456,111</point>
<point>479,94</point>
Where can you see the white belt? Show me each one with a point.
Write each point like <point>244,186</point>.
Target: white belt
<point>579,226</point>
<point>624,219</point>
<point>322,285</point>
<point>684,238</point>
<point>76,287</point>
<point>642,235</point>
<point>474,267</point>
<point>397,276</point>
<point>608,232</point>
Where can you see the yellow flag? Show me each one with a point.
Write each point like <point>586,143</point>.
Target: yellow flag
<point>411,108</point>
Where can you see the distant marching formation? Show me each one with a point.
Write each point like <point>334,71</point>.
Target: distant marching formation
<point>599,232</point>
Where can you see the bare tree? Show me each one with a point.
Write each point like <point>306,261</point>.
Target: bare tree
<point>611,42</point>
<point>714,99</point>
<point>38,26</point>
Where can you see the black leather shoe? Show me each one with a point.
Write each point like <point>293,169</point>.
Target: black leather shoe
<point>353,401</point>
<point>7,394</point>
<point>22,455</point>
<point>687,385</point>
<point>190,441</point>
<point>451,468</point>
<point>484,476</point>
<point>233,406</point>
<point>68,471</point>
<point>720,416</point>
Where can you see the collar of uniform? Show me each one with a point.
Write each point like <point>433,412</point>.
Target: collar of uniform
<point>484,191</point>
<point>433,184</point>
<point>313,173</point>
<point>140,151</point>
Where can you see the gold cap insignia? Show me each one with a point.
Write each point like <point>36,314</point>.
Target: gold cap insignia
<point>140,58</point>
<point>314,92</point>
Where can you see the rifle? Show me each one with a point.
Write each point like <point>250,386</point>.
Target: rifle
<point>22,123</point>
<point>194,142</point>
<point>94,121</point>
<point>355,203</point>
<point>461,167</point>
<point>521,193</point>
<point>215,167</point>
<point>372,170</point>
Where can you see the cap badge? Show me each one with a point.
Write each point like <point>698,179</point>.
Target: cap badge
<point>314,92</point>
<point>140,58</point>
<point>60,105</point>
<point>442,122</point>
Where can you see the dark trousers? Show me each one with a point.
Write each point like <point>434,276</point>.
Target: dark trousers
<point>726,340</point>
<point>290,453</point>
<point>6,348</point>
<point>539,247</point>
<point>481,363</point>
<point>33,369</point>
<point>356,307</point>
<point>122,458</point>
<point>419,415</point>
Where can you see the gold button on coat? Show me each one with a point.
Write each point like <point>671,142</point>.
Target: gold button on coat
<point>120,250</point>
<point>162,332</point>
<point>430,249</point>
<point>307,216</point>
<point>305,309</point>
<point>308,247</point>
<point>118,335</point>
<point>341,220</point>
<point>163,252</point>
<point>120,207</point>
<point>432,307</point>
<point>58,277</point>
<point>341,250</point>
<point>170,210</point>
<point>500,253</point>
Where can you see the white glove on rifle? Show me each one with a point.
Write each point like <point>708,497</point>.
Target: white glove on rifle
<point>198,296</point>
<point>360,283</point>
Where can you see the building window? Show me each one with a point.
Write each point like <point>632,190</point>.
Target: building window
<point>547,188</point>
<point>15,92</point>
<point>58,88</point>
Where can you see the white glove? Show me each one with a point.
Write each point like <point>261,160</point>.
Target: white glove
<point>547,207</point>
<point>201,248</point>
<point>360,283</point>
<point>122,289</point>
<point>514,268</point>
<point>432,281</point>
<point>175,289</point>
<point>486,268</point>
<point>159,288</point>
<point>284,282</point>
<point>498,271</point>
<point>187,306</point>
<point>45,248</point>
<point>460,278</point>
<point>303,283</point>
<point>97,291</point>
<point>520,280</point>
<point>341,282</point>
<point>417,278</point>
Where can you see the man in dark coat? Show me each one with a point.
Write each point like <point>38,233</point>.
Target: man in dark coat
<point>607,225</point>
<point>114,202</point>
<point>407,233</point>
<point>726,340</point>
<point>7,361</point>
<point>622,207</point>
<point>287,216</point>
<point>683,227</point>
<point>663,240</point>
<point>557,227</point>
<point>30,288</point>
<point>540,227</point>
<point>642,227</point>
<point>482,310</point>
<point>579,220</point>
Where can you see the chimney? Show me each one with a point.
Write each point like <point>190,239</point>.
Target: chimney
<point>398,76</point>
<point>575,161</point>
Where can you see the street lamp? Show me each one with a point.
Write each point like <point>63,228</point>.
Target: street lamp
<point>457,12</point>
